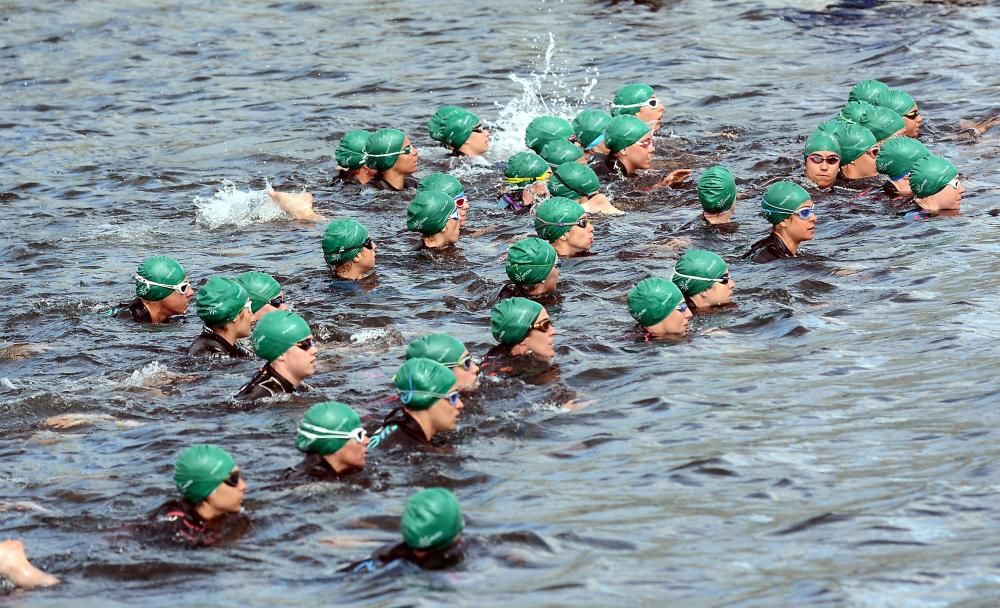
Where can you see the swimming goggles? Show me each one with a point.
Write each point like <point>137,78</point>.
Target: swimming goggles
<point>818,159</point>
<point>527,180</point>
<point>912,114</point>
<point>455,215</point>
<point>542,326</point>
<point>460,199</point>
<point>652,102</point>
<point>277,300</point>
<point>466,362</point>
<point>453,397</point>
<point>682,307</point>
<point>404,150</point>
<point>233,480</point>
<point>804,213</point>
<point>479,128</point>
<point>311,431</point>
<point>306,344</point>
<point>955,183</point>
<point>598,141</point>
<point>179,288</point>
<point>583,222</point>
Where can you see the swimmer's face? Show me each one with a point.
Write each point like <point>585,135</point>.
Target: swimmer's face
<point>444,415</point>
<point>913,120</point>
<point>537,192</point>
<point>822,168</point>
<point>226,498</point>
<point>452,230</point>
<point>407,163</point>
<point>300,363</point>
<point>948,199</point>
<point>717,294</point>
<point>540,338</point>
<point>799,229</point>
<point>652,115</point>
<point>580,238</point>
<point>675,324</point>
<point>365,260</point>
<point>468,377</point>
<point>478,142</point>
<point>244,322</point>
<point>352,454</point>
<point>639,155</point>
<point>866,162</point>
<point>177,303</point>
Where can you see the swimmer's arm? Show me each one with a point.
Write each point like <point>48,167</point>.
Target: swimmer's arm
<point>297,205</point>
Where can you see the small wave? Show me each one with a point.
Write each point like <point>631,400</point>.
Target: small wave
<point>231,206</point>
<point>152,374</point>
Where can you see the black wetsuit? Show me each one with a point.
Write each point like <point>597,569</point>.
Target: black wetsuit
<point>267,383</point>
<point>178,521</point>
<point>134,310</point>
<point>599,163</point>
<point>608,169</point>
<point>315,468</point>
<point>431,560</point>
<point>409,183</point>
<point>513,290</point>
<point>211,344</point>
<point>398,429</point>
<point>768,249</point>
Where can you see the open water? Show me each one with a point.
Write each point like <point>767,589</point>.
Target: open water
<point>830,440</point>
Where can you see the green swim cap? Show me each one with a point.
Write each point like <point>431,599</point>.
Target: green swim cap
<point>897,100</point>
<point>867,90</point>
<point>897,156</point>
<point>821,141</point>
<point>573,180</point>
<point>441,182</point>
<point>834,127</point>
<point>525,168</point>
<point>560,151</point>
<point>716,189</point>
<point>383,148</point>
<point>780,201</point>
<point>589,126</point>
<point>694,272</point>
<point>432,520</point>
<point>882,122</point>
<point>452,125</point>
<point>854,140</point>
<point>429,211</point>
<point>511,319</point>
<point>343,240</point>
<point>322,429</point>
<point>442,348</point>
<point>544,129</point>
<point>276,332</point>
<point>260,286</point>
<point>856,112</point>
<point>157,269</point>
<point>220,301</point>
<point>630,98</point>
<point>623,131</point>
<point>557,216</point>
<point>530,260</point>
<point>422,382</point>
<point>930,175</point>
<point>350,152</point>
<point>652,300</point>
<point>200,469</point>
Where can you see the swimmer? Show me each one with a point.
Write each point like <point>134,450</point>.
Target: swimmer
<point>559,151</point>
<point>639,100</point>
<point>212,489</point>
<point>544,129</point>
<point>390,153</point>
<point>444,182</point>
<point>790,210</point>
<point>703,278</point>
<point>658,307</point>
<point>717,195</point>
<point>334,442</point>
<point>284,340</point>
<point>900,102</point>
<point>895,159</point>
<point>348,250</point>
<point>630,143</point>
<point>858,151</point>
<point>162,291</point>
<point>580,183</point>
<point>524,179</point>
<point>460,131</point>
<point>533,268</point>
<point>822,159</point>
<point>15,567</point>
<point>265,293</point>
<point>435,216</point>
<point>432,526</point>
<point>589,126</point>
<point>450,353</point>
<point>523,329</point>
<point>867,90</point>
<point>936,188</point>
<point>882,122</point>
<point>431,405</point>
<point>225,308</point>
<point>561,222</point>
<point>350,155</point>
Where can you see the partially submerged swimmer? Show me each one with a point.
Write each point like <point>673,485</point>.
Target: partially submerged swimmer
<point>543,129</point>
<point>658,307</point>
<point>390,153</point>
<point>717,195</point>
<point>900,102</point>
<point>348,249</point>
<point>265,293</point>
<point>460,131</point>
<point>524,178</point>
<point>895,159</point>
<point>436,217</point>
<point>858,151</point>
<point>639,100</point>
<point>580,183</point>
<point>284,340</point>
<point>589,126</point>
<point>351,157</point>
<point>225,308</point>
<point>821,154</point>
<point>523,329</point>
<point>431,405</point>
<point>560,151</point>
<point>789,209</point>
<point>162,291</point>
<point>533,268</point>
<point>451,353</point>
<point>562,222</point>
<point>936,188</point>
<point>333,441</point>
<point>449,184</point>
<point>703,278</point>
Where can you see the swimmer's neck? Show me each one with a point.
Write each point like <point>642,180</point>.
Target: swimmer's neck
<point>792,246</point>
<point>336,463</point>
<point>227,333</point>
<point>437,241</point>
<point>394,178</point>
<point>851,172</point>
<point>157,311</point>
<point>282,370</point>
<point>349,271</point>
<point>423,419</point>
<point>718,218</point>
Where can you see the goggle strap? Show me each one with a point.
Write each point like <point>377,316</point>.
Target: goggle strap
<point>630,105</point>
<point>144,280</point>
<point>324,433</point>
<point>688,276</point>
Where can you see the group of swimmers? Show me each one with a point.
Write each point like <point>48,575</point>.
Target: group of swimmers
<point>558,183</point>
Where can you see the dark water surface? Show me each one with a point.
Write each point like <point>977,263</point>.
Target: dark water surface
<point>831,440</point>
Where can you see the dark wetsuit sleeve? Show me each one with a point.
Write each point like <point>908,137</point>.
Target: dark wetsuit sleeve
<point>768,249</point>
<point>134,310</point>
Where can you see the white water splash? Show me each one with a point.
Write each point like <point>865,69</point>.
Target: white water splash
<point>234,207</point>
<point>149,375</point>
<point>550,92</point>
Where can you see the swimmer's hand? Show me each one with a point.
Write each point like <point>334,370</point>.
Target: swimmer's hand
<point>14,565</point>
<point>574,405</point>
<point>299,206</point>
<point>980,127</point>
<point>674,178</point>
<point>599,203</point>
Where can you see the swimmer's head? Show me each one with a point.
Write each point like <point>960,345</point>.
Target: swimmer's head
<point>200,469</point>
<point>429,212</point>
<point>697,271</point>
<point>930,175</point>
<point>343,241</point>
<point>573,180</point>
<point>897,100</point>
<point>220,301</point>
<point>512,318</point>
<point>855,141</point>
<point>260,286</point>
<point>781,200</point>
<point>821,141</point>
<point>623,131</point>
<point>631,98</point>
<point>383,148</point>
<point>654,301</point>
<point>544,129</point>
<point>882,122</point>
<point>442,348</point>
<point>326,427</point>
<point>530,261</point>
<point>432,520</point>
<point>560,151</point>
<point>350,152</point>
<point>557,216</point>
<point>277,332</point>
<point>589,126</point>
<point>896,156</point>
<point>716,189</point>
<point>420,383</point>
<point>867,90</point>
<point>452,126</point>
<point>158,277</point>
<point>441,182</point>
<point>524,169</point>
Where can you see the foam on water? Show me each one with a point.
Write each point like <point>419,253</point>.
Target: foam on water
<point>153,373</point>
<point>234,207</point>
